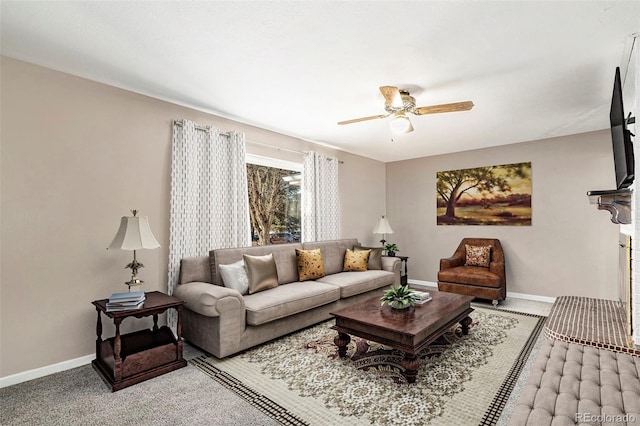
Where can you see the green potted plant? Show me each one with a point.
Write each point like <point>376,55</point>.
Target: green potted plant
<point>391,249</point>
<point>400,297</point>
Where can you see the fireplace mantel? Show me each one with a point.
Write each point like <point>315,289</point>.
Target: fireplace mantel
<point>617,202</point>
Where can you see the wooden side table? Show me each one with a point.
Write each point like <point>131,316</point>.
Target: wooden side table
<point>124,360</point>
<point>403,270</point>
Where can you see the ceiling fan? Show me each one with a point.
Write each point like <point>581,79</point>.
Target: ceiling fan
<point>399,102</point>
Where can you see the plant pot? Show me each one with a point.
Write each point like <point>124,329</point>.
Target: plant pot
<point>391,253</point>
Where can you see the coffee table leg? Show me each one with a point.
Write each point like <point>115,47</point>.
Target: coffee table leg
<point>411,364</point>
<point>465,323</point>
<point>341,341</point>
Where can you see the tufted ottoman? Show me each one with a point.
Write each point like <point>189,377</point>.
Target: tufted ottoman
<point>573,384</point>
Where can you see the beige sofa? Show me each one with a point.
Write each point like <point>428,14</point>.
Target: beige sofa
<point>223,322</point>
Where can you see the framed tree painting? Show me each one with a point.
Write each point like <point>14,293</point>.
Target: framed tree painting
<point>492,195</point>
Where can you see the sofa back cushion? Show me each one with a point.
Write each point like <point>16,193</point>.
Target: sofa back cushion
<point>283,254</point>
<point>375,257</point>
<point>195,269</point>
<point>332,252</point>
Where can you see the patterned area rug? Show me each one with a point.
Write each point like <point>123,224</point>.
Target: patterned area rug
<point>463,380</point>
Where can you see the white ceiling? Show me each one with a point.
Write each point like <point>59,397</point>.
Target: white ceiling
<point>533,69</point>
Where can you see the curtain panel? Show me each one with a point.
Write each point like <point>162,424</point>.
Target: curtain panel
<point>320,198</point>
<point>209,205</point>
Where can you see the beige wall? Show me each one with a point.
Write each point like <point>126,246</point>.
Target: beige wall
<point>76,156</point>
<point>570,248</point>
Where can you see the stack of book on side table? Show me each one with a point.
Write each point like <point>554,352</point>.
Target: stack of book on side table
<point>125,301</point>
<point>424,297</point>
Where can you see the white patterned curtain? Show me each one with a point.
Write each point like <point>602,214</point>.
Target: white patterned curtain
<point>320,198</point>
<point>209,200</point>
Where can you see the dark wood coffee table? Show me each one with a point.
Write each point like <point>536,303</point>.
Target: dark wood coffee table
<point>409,330</point>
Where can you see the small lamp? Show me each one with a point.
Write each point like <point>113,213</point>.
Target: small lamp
<point>383,227</point>
<point>134,234</point>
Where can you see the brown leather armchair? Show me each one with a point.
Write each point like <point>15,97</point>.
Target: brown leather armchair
<point>478,281</point>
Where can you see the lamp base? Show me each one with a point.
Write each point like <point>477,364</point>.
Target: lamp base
<point>134,282</point>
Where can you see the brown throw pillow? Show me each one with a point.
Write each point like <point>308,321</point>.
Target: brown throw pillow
<point>478,255</point>
<point>310,264</point>
<point>356,260</point>
<point>375,258</point>
<point>261,271</point>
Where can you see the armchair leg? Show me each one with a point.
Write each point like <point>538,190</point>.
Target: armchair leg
<point>494,302</point>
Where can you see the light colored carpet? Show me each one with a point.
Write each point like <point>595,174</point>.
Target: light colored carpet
<point>463,380</point>
<point>80,397</point>
<point>186,396</point>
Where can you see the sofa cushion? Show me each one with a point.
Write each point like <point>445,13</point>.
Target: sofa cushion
<point>195,269</point>
<point>477,255</point>
<point>284,255</point>
<point>235,276</point>
<point>375,258</point>
<point>352,283</point>
<point>287,300</point>
<point>261,271</point>
<point>310,264</point>
<point>470,275</point>
<point>332,252</point>
<point>356,260</point>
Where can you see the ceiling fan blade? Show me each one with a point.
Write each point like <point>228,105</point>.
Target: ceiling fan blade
<point>391,96</point>
<point>436,109</point>
<point>357,120</point>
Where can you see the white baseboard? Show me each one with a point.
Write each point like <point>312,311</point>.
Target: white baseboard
<point>45,371</point>
<point>534,297</point>
<point>419,283</point>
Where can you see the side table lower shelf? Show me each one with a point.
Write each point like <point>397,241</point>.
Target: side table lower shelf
<point>145,354</point>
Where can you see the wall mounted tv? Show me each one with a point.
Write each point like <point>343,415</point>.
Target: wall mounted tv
<point>621,138</point>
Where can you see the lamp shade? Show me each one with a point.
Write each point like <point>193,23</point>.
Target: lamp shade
<point>383,227</point>
<point>134,234</point>
<point>401,124</point>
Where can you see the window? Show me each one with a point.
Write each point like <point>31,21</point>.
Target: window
<point>274,200</point>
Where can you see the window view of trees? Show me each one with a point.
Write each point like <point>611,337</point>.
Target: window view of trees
<point>274,204</point>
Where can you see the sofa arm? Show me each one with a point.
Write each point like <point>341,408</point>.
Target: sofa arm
<point>392,264</point>
<point>451,262</point>
<point>210,300</point>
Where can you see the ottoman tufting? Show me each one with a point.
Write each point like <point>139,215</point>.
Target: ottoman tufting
<point>575,384</point>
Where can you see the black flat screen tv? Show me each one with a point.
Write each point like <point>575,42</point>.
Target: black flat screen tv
<point>621,138</point>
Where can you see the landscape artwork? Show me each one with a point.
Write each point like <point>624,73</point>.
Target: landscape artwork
<point>493,195</point>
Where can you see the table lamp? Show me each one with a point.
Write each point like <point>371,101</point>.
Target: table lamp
<point>383,227</point>
<point>134,234</point>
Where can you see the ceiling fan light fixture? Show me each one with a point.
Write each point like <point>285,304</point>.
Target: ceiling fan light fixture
<point>401,124</point>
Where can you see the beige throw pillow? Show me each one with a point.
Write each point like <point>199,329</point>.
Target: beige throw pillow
<point>310,264</point>
<point>261,271</point>
<point>356,260</point>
